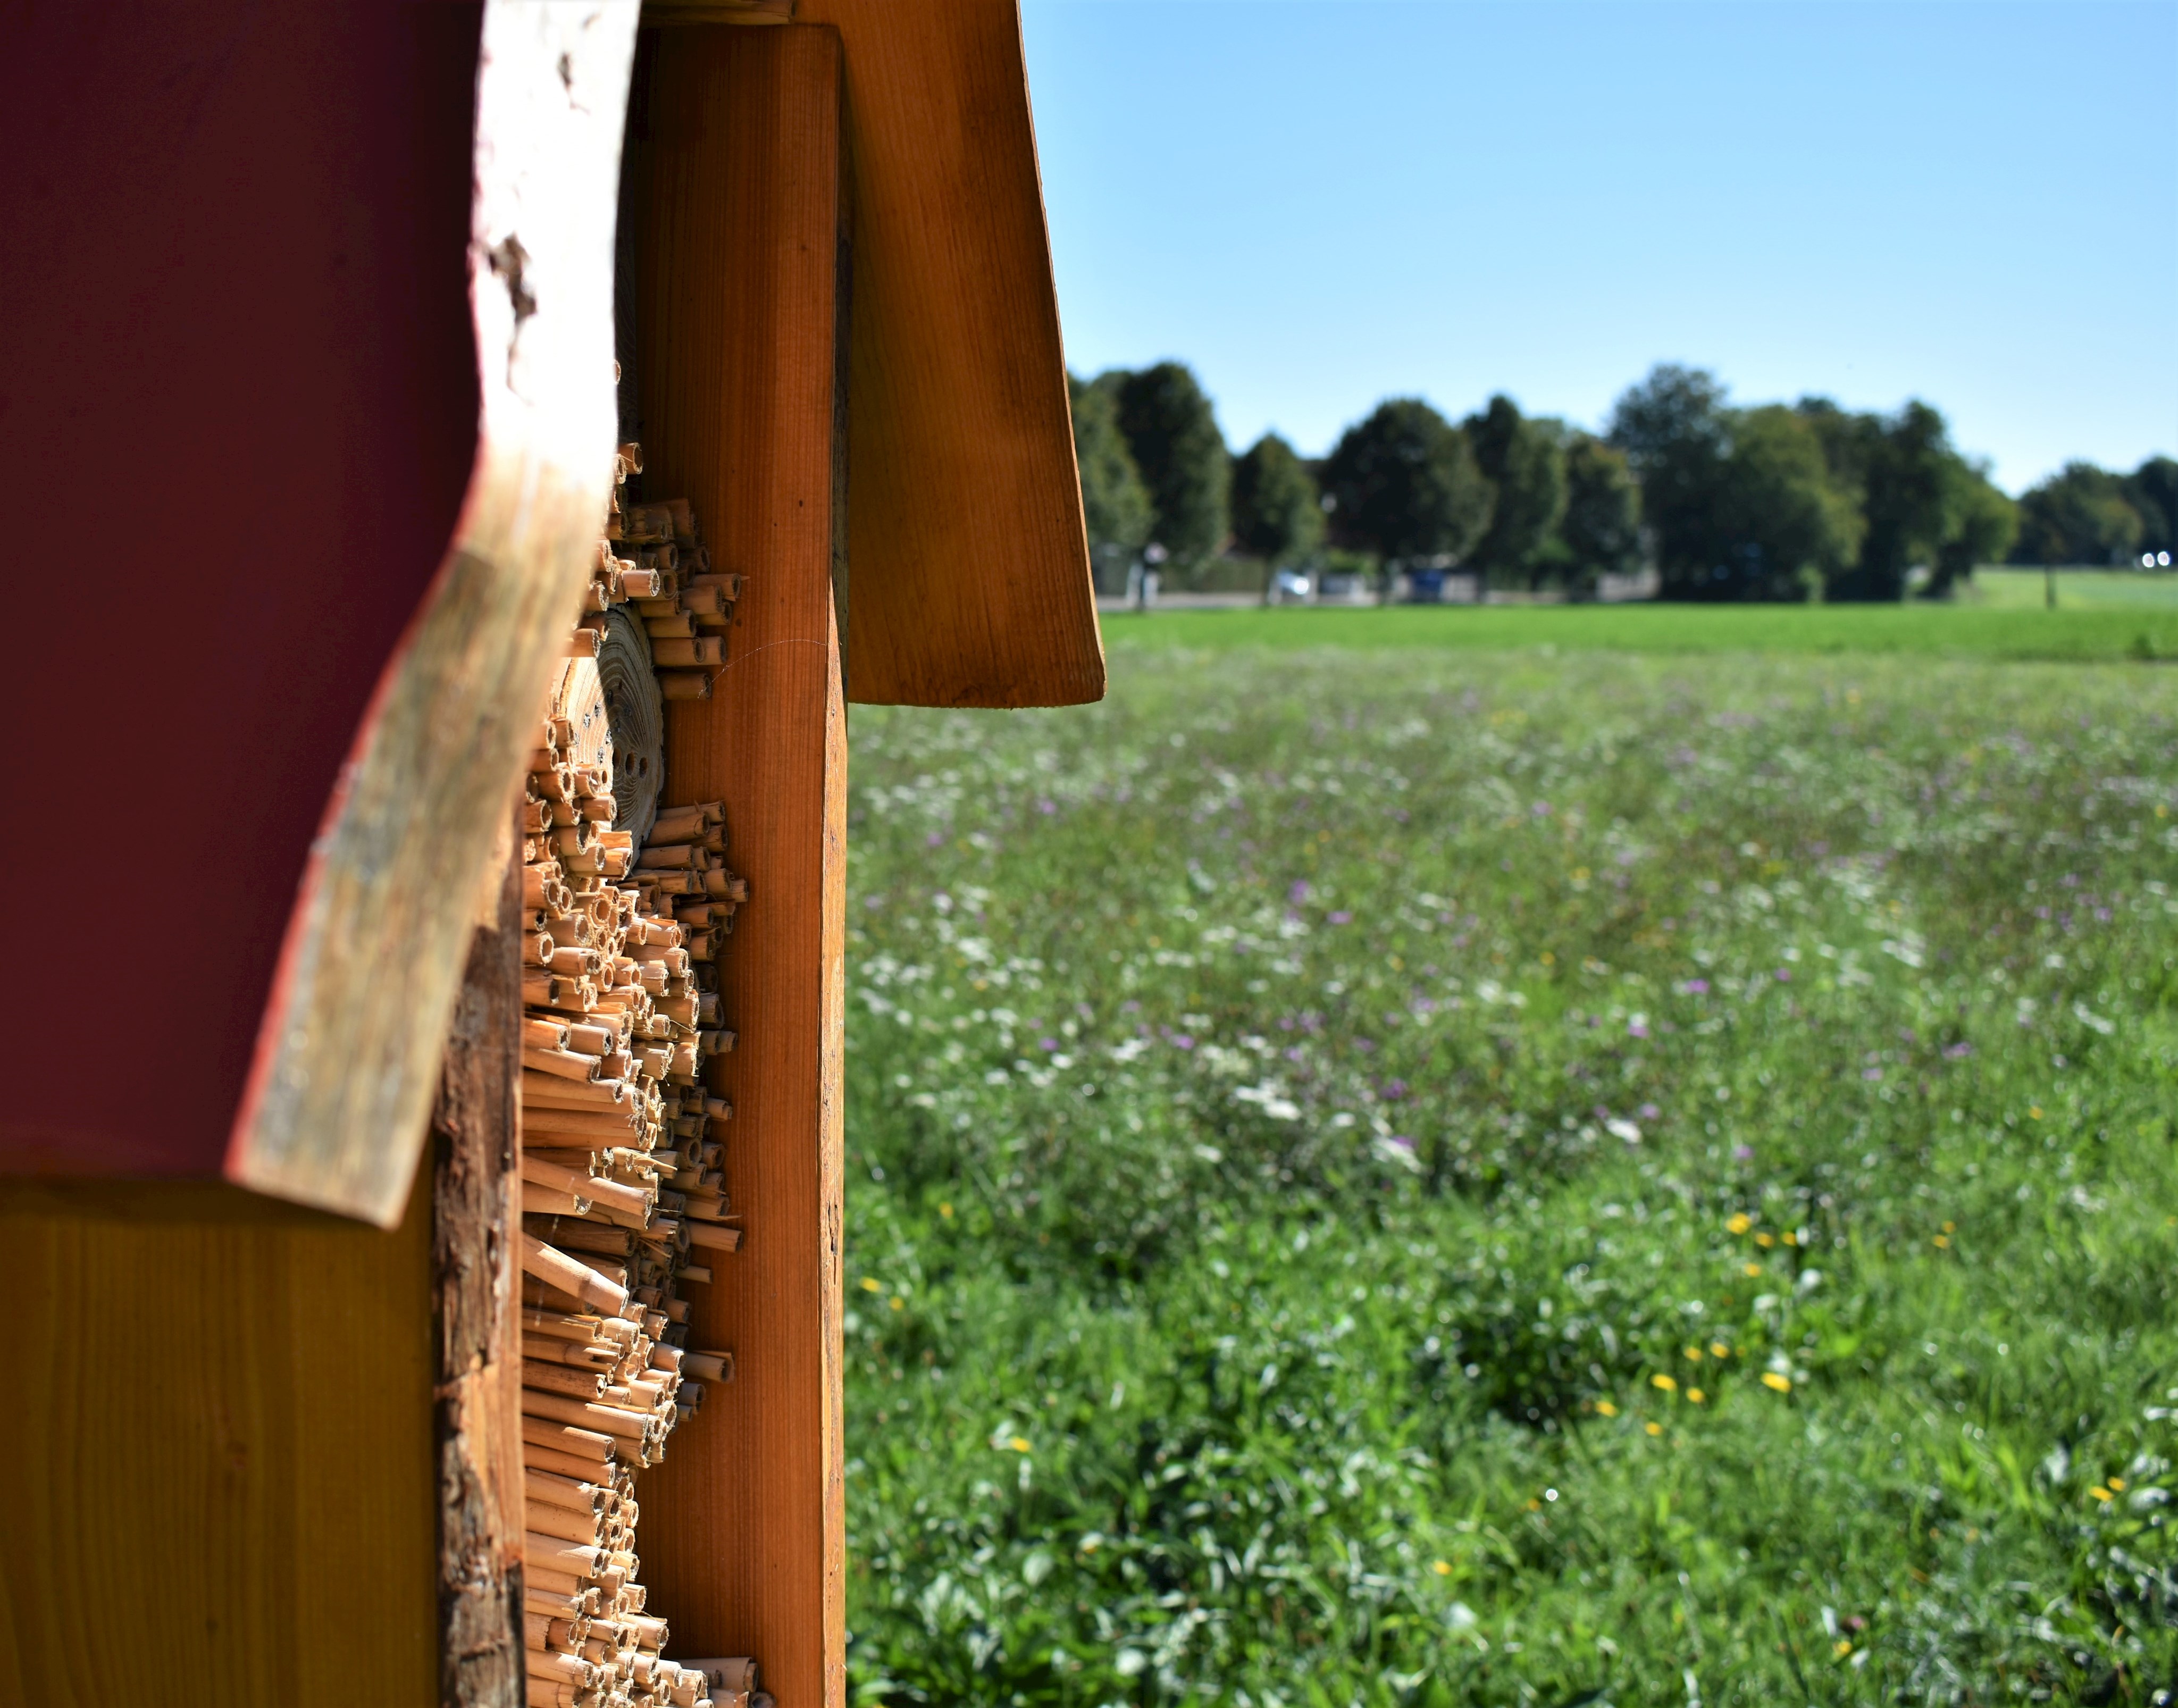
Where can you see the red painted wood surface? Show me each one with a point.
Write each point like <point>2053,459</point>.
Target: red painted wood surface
<point>237,412</point>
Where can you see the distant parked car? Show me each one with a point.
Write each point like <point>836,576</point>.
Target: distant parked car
<point>1292,587</point>
<point>1425,587</point>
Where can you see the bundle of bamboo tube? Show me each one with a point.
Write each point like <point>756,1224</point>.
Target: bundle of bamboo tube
<point>623,1192</point>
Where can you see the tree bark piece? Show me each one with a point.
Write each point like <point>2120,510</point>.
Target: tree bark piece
<point>474,1225</point>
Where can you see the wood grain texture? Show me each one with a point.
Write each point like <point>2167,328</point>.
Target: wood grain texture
<point>971,560</point>
<point>737,167</point>
<point>334,1108</point>
<point>221,1440</point>
<point>477,1345</point>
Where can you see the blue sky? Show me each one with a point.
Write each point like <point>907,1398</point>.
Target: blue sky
<point>1321,203</point>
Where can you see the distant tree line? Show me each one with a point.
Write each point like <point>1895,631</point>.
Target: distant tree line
<point>2083,514</point>
<point>1773,502</point>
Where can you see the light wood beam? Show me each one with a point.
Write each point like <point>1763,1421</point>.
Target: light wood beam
<point>737,165</point>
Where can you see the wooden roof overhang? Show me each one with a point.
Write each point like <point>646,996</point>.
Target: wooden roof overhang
<point>309,412</point>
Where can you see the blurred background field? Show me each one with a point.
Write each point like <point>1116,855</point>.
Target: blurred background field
<point>1509,1164</point>
<point>2076,590</point>
<point>2003,629</point>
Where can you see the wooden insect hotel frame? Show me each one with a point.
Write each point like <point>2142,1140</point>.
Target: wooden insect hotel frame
<point>511,435</point>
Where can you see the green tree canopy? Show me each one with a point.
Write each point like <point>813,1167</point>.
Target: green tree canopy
<point>1743,504</point>
<point>1404,485</point>
<point>1113,500</point>
<point>1602,527</point>
<point>1674,429</point>
<point>1779,517</point>
<point>2152,490</point>
<point>1909,495</point>
<point>1921,502</point>
<point>1525,466</point>
<point>1983,523</point>
<point>2078,515</point>
<point>1173,434</point>
<point>1277,513</point>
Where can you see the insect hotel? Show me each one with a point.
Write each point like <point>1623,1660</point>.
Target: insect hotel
<point>502,442</point>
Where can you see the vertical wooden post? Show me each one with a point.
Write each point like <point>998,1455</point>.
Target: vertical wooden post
<point>738,171</point>
<point>477,1365</point>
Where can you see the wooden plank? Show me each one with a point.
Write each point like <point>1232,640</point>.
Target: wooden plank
<point>221,1441</point>
<point>476,1320</point>
<point>736,170</point>
<point>334,1108</point>
<point>971,564</point>
<point>668,11</point>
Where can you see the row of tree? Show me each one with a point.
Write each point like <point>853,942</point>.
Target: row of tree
<point>1779,501</point>
<point>2083,514</point>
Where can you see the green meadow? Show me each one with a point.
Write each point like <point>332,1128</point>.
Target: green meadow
<point>2077,589</point>
<point>1522,1157</point>
<point>2006,625</point>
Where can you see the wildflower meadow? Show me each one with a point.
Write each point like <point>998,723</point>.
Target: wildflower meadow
<point>1424,1177</point>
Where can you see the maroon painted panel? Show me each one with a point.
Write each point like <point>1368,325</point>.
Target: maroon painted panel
<point>237,412</point>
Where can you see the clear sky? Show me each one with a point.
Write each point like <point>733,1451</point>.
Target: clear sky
<point>1318,204</point>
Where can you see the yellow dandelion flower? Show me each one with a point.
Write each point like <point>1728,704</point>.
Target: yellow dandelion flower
<point>1664,1382</point>
<point>1782,1384</point>
<point>1789,1237</point>
<point>1718,1349</point>
<point>1842,1648</point>
<point>1739,1223</point>
<point>1943,1242</point>
<point>1696,1395</point>
<point>1694,1354</point>
<point>1751,1271</point>
<point>1606,1409</point>
<point>1654,1428</point>
<point>898,1303</point>
<point>2115,1483</point>
<point>2034,1112</point>
<point>1535,1506</point>
<point>2099,1492</point>
<point>946,1211</point>
<point>872,1285</point>
<point>1766,1240</point>
<point>1442,1568</point>
<point>1019,1443</point>
<point>1950,1227</point>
